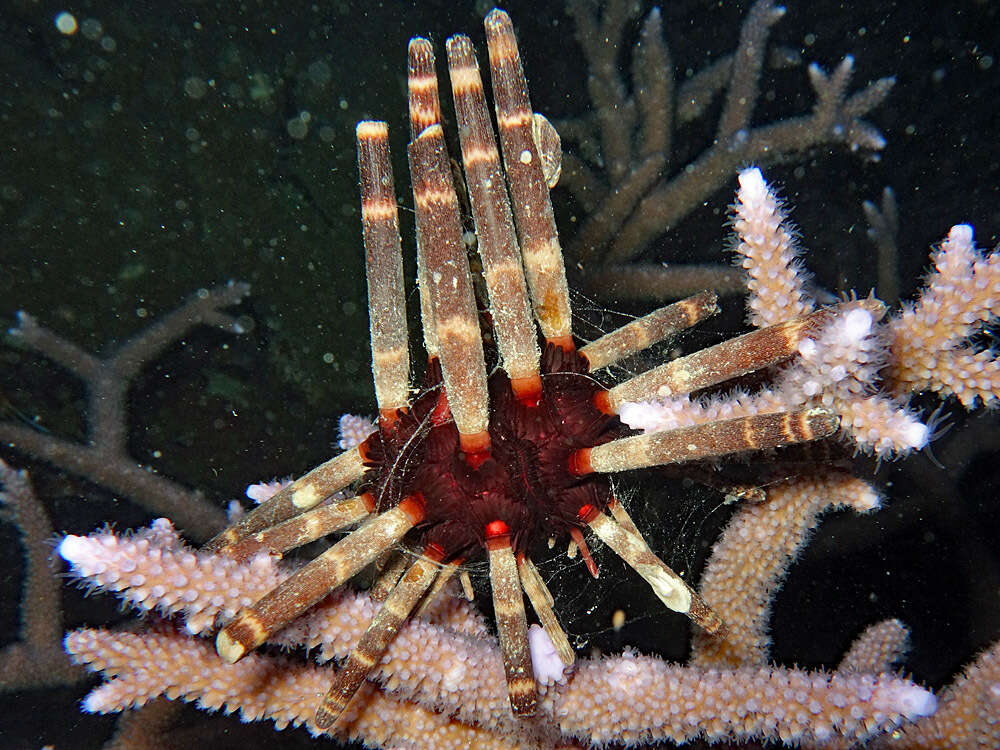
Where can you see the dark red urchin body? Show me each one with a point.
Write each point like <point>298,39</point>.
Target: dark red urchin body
<point>524,482</point>
<point>501,462</point>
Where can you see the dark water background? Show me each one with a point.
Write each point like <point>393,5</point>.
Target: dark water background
<point>162,148</point>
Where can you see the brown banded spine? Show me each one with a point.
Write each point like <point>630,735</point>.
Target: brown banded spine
<point>707,367</point>
<point>376,639</point>
<point>384,266</point>
<point>422,86</point>
<point>502,269</point>
<point>536,227</point>
<point>645,331</point>
<point>512,626</point>
<point>459,340</point>
<point>729,359</point>
<point>304,493</point>
<point>622,517</point>
<point>448,571</point>
<point>669,587</point>
<point>301,529</point>
<point>390,566</point>
<point>425,110</point>
<point>710,440</point>
<point>542,602</point>
<point>292,597</point>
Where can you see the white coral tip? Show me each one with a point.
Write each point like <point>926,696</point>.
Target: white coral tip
<point>639,415</point>
<point>752,185</point>
<point>76,550</point>
<point>867,500</point>
<point>961,234</point>
<point>916,435</point>
<point>857,324</point>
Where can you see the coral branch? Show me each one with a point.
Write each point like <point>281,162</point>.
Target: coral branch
<point>104,459</point>
<point>620,177</point>
<point>258,687</point>
<point>968,711</point>
<point>752,558</point>
<point>634,699</point>
<point>35,660</point>
<point>929,339</point>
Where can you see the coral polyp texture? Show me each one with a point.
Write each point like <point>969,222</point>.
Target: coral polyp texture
<point>510,442</point>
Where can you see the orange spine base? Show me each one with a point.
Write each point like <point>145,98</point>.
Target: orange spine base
<point>497,534</point>
<point>475,448</point>
<point>441,413</point>
<point>413,507</point>
<point>588,512</point>
<point>602,402</point>
<point>434,552</point>
<point>579,463</point>
<point>527,390</point>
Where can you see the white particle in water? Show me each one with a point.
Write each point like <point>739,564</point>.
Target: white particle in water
<point>66,23</point>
